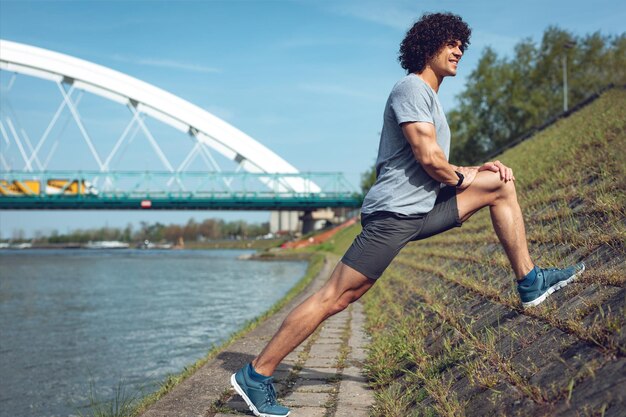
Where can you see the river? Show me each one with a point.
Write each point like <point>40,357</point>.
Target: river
<point>71,319</point>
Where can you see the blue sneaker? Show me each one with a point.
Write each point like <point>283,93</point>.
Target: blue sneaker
<point>260,396</point>
<point>546,282</point>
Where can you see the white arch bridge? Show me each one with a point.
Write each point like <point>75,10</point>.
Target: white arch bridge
<point>261,180</point>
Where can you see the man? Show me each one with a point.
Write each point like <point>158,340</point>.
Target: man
<point>417,194</point>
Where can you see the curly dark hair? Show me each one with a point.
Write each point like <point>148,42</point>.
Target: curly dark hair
<point>428,35</point>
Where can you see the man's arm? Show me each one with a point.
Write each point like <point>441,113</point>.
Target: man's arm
<point>423,140</point>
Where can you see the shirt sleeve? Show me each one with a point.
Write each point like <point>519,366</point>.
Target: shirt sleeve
<point>412,103</point>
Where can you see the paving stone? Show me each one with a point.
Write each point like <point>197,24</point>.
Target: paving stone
<point>311,385</point>
<point>593,294</point>
<point>330,341</point>
<point>291,359</point>
<point>533,358</point>
<point>355,392</point>
<point>324,351</point>
<point>615,305</point>
<point>491,316</point>
<point>349,410</point>
<point>237,403</point>
<point>337,337</point>
<point>321,363</point>
<point>354,373</point>
<point>336,328</point>
<point>518,333</point>
<point>342,315</point>
<point>308,412</point>
<point>464,389</point>
<point>281,375</point>
<point>434,340</point>
<point>320,374</point>
<point>281,388</point>
<point>336,324</point>
<point>357,343</point>
<point>306,399</point>
<point>599,389</point>
<point>564,366</point>
<point>499,401</point>
<point>283,367</point>
<point>355,398</point>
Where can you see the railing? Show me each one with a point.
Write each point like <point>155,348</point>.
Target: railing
<point>174,190</point>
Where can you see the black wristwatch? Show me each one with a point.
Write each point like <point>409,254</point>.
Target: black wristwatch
<point>461,178</point>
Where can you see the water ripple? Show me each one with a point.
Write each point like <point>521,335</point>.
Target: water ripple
<point>74,316</point>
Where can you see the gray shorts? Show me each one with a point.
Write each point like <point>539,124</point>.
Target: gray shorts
<point>385,233</point>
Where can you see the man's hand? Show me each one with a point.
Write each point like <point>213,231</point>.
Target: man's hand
<point>506,173</point>
<point>469,173</point>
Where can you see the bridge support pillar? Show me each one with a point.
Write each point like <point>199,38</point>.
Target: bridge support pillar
<point>308,222</point>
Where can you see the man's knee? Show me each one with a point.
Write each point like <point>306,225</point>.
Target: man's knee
<point>506,190</point>
<point>341,290</point>
<point>496,187</point>
<point>333,302</point>
<point>340,305</point>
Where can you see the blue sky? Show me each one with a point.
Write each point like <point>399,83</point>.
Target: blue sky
<point>308,79</point>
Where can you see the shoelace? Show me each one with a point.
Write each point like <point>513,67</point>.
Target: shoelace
<point>270,392</point>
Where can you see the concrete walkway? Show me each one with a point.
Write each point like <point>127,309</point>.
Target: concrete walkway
<point>321,378</point>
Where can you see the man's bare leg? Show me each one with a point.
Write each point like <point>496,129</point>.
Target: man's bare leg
<point>345,286</point>
<point>489,190</point>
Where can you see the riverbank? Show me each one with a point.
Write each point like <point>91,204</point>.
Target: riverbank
<point>181,381</point>
<point>253,244</point>
<point>321,375</point>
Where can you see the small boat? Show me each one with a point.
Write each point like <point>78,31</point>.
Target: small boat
<point>106,244</point>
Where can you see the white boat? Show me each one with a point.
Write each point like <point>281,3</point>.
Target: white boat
<point>107,244</point>
<point>21,246</point>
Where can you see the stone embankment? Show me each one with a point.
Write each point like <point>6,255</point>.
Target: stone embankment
<point>321,378</point>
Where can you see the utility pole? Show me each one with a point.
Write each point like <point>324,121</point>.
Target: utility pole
<point>568,45</point>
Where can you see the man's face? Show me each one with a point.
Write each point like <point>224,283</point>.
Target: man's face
<point>445,62</point>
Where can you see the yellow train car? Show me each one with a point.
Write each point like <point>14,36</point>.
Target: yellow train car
<point>25,187</point>
<point>53,187</point>
<point>57,186</point>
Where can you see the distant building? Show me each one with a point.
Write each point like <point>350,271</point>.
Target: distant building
<point>293,221</point>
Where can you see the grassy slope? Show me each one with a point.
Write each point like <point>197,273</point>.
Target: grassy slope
<point>448,334</point>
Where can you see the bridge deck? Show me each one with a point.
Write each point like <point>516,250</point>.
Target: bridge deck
<point>190,203</point>
<point>71,190</point>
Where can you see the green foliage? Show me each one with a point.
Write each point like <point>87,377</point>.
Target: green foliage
<point>123,404</point>
<point>340,242</point>
<point>368,178</point>
<point>209,229</point>
<point>504,98</point>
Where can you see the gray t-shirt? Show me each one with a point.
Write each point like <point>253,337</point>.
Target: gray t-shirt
<point>402,185</point>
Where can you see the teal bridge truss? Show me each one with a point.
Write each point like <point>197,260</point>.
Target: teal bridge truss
<point>65,190</point>
<point>45,166</point>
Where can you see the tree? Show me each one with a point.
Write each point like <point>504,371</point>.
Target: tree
<point>210,229</point>
<point>504,98</point>
<point>368,178</point>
